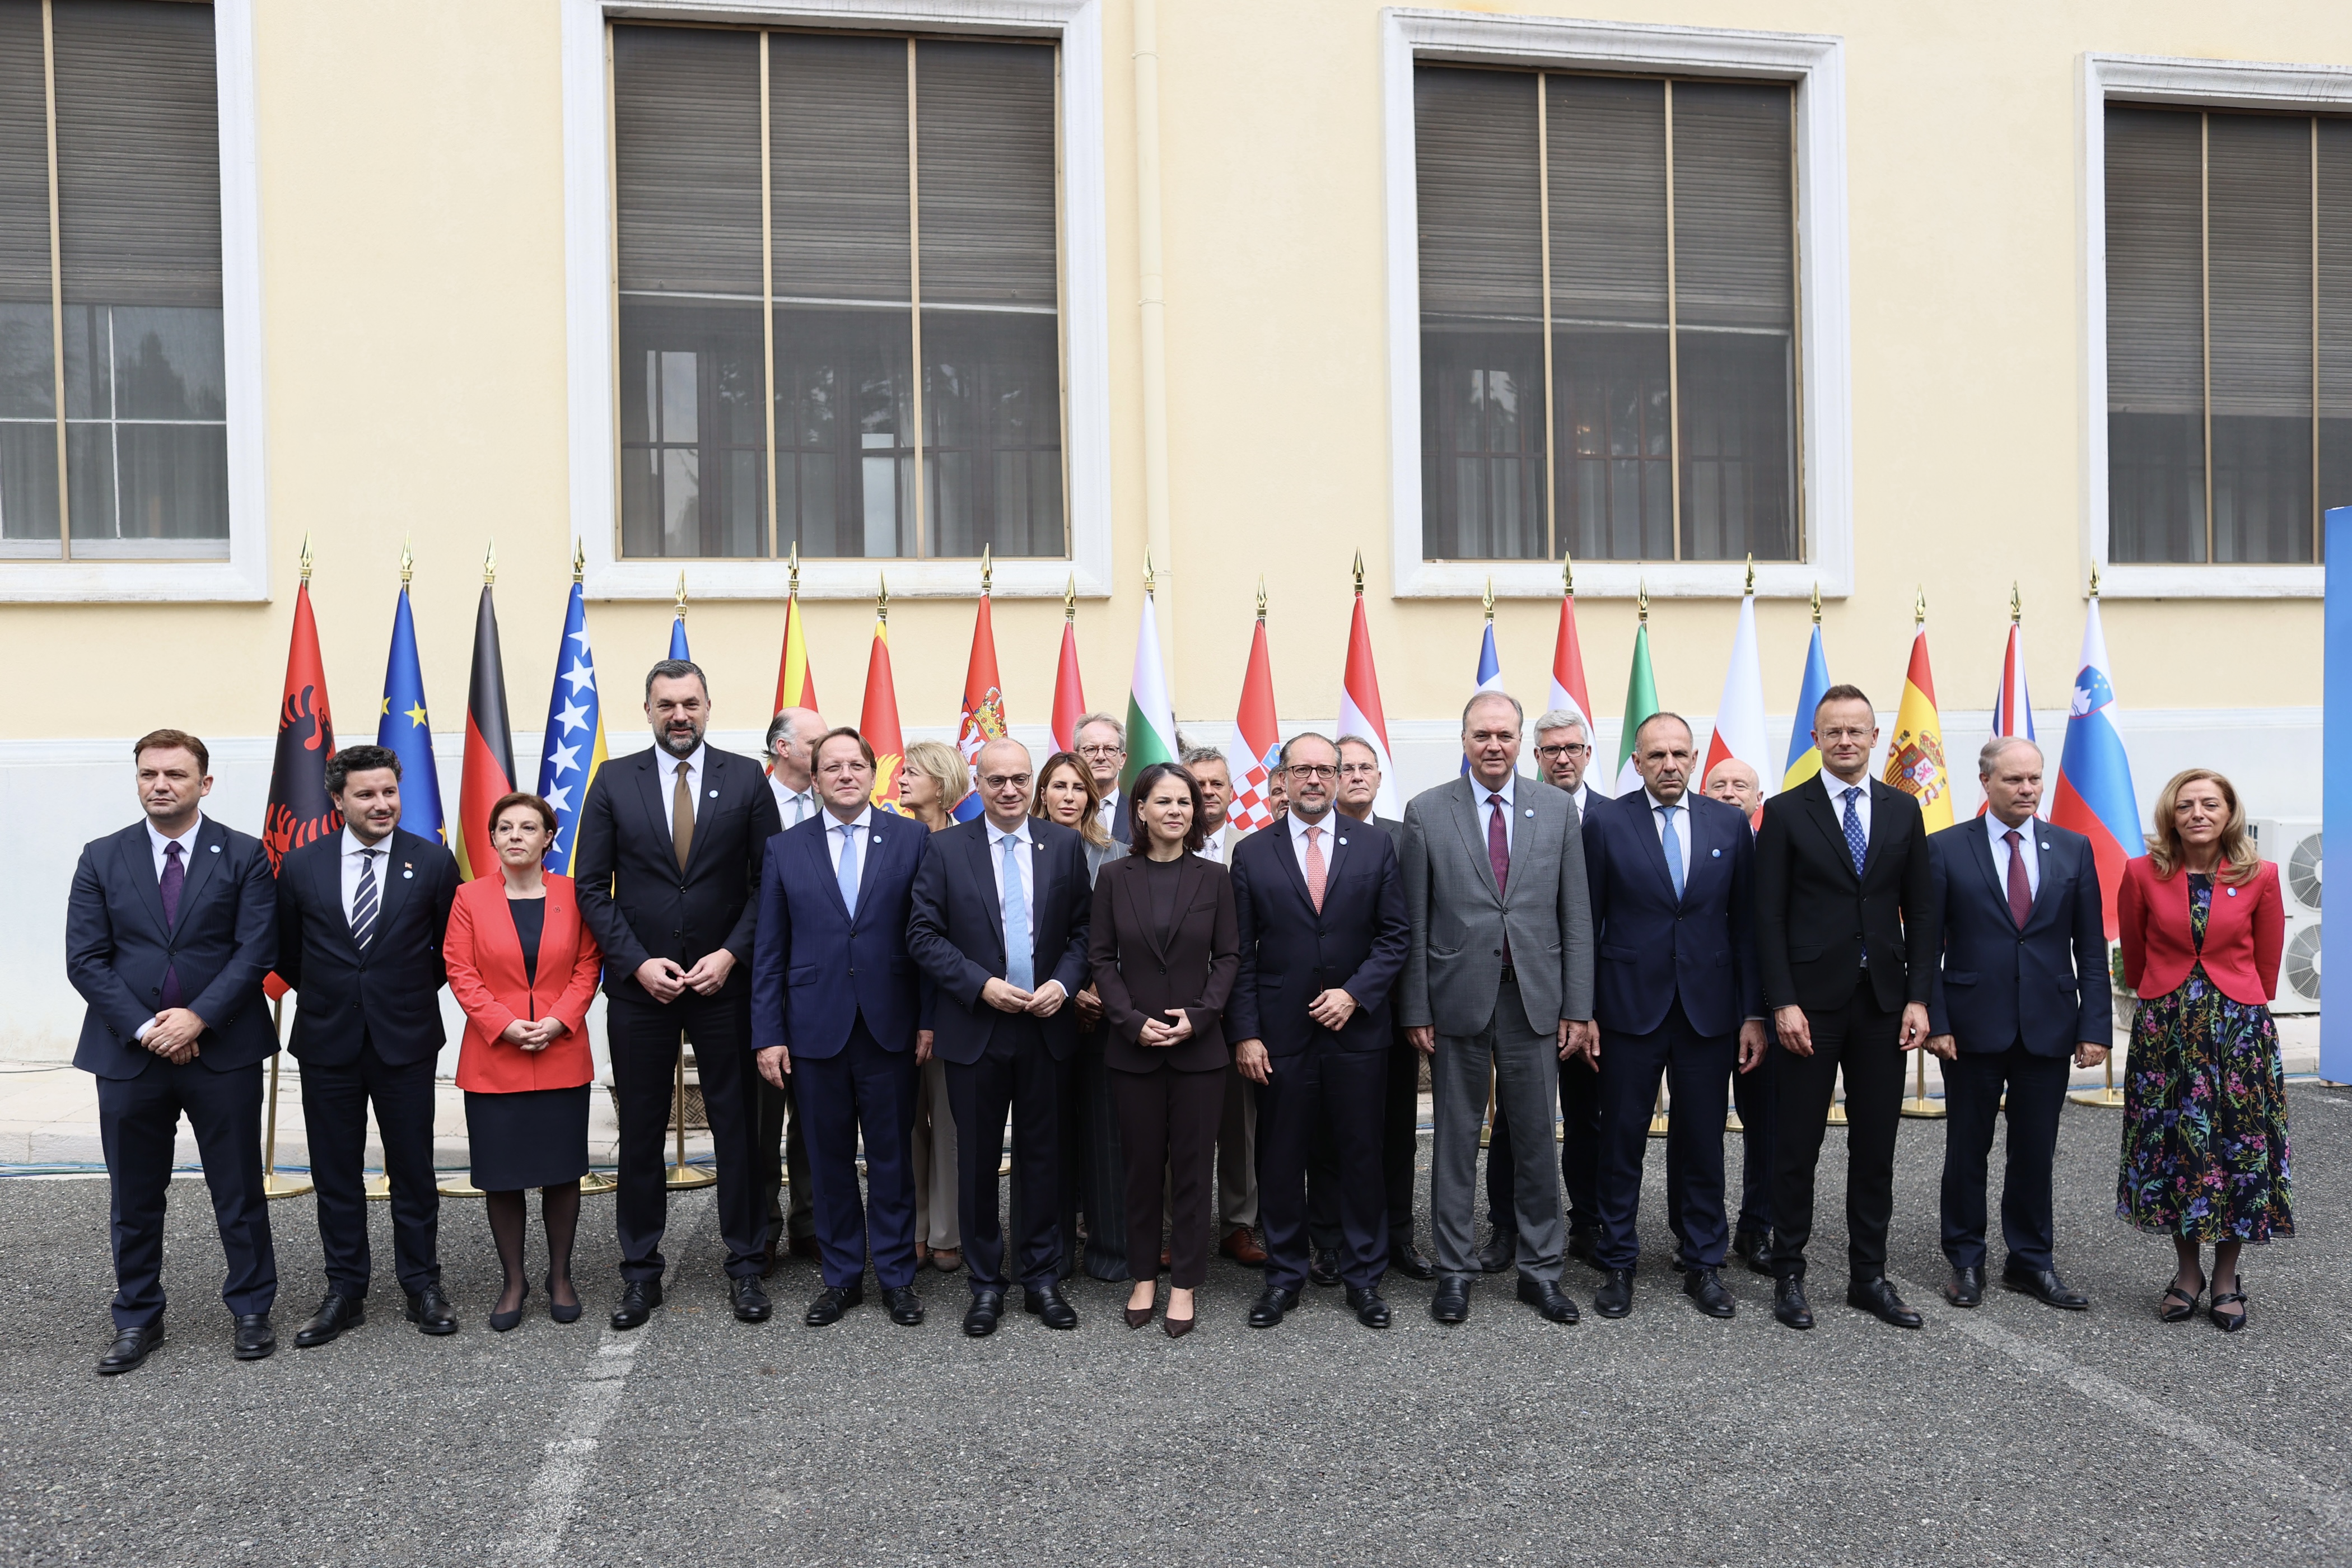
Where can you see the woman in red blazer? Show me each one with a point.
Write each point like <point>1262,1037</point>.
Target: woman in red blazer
<point>524,968</point>
<point>2205,1143</point>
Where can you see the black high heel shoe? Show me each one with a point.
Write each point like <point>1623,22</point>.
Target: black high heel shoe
<point>2167,1313</point>
<point>1138,1316</point>
<point>501,1321</point>
<point>557,1309</point>
<point>2229,1322</point>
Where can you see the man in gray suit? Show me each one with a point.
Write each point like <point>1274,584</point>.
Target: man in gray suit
<point>1501,976</point>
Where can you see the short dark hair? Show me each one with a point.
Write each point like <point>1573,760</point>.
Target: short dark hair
<point>1138,838</point>
<point>359,759</point>
<point>1842,693</point>
<point>675,670</point>
<point>172,741</point>
<point>817,746</point>
<point>523,797</point>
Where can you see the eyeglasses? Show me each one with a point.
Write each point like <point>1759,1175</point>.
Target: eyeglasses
<point>1322,771</point>
<point>1359,771</point>
<point>1572,749</point>
<point>998,781</point>
<point>1091,752</point>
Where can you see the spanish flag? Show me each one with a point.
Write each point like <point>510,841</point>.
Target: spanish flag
<point>1915,758</point>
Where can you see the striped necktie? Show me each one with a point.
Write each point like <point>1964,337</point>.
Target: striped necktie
<point>363,901</point>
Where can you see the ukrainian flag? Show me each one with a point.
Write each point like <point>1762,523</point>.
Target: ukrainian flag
<point>574,747</point>
<point>1805,757</point>
<point>405,730</point>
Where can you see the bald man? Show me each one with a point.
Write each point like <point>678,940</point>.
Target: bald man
<point>1734,782</point>
<point>790,733</point>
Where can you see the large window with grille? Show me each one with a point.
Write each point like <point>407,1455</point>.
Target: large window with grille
<point>113,406</point>
<point>839,316</point>
<point>2228,272</point>
<point>1609,317</point>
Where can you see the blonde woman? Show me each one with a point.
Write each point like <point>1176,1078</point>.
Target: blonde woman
<point>934,779</point>
<point>2205,1141</point>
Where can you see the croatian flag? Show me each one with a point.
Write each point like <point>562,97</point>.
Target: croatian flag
<point>2094,785</point>
<point>1490,672</point>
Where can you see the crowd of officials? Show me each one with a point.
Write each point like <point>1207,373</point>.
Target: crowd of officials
<point>1201,1040</point>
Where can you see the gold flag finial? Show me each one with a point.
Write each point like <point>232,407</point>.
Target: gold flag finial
<point>1567,574</point>
<point>1641,598</point>
<point>795,565</point>
<point>1919,607</point>
<point>1817,602</point>
<point>2094,581</point>
<point>882,598</point>
<point>1261,596</point>
<point>2016,604</point>
<point>987,568</point>
<point>1070,599</point>
<point>1360,573</point>
<point>1147,574</point>
<point>579,561</point>
<point>306,560</point>
<point>407,561</point>
<point>681,596</point>
<point>1751,574</point>
<point>1488,599</point>
<point>489,564</point>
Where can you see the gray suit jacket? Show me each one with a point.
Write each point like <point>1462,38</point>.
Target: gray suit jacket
<point>1460,917</point>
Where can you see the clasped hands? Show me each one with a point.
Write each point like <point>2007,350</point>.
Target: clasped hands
<point>172,1034</point>
<point>533,1036</point>
<point>1007,997</point>
<point>1332,1009</point>
<point>665,979</point>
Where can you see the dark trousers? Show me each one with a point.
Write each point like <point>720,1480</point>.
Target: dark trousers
<point>1579,1154</point>
<point>1332,1099</point>
<point>1865,1042</point>
<point>861,1088</point>
<point>138,1122</point>
<point>335,1102</point>
<point>1016,1071</point>
<point>1168,1126</point>
<point>1698,1068</point>
<point>1094,1170</point>
<point>779,1147</point>
<point>1752,1095</point>
<point>1400,1155</point>
<point>1973,1085</point>
<point>644,1035</point>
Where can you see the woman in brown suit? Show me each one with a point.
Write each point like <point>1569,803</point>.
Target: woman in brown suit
<point>1165,949</point>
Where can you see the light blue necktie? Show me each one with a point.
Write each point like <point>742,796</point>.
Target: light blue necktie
<point>1020,966</point>
<point>1672,844</point>
<point>846,872</point>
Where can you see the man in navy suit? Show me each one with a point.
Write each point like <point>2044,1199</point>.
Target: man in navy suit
<point>671,841</point>
<point>1319,900</point>
<point>1001,907</point>
<point>2022,984</point>
<point>835,1003</point>
<point>170,929</point>
<point>1676,993</point>
<point>360,920</point>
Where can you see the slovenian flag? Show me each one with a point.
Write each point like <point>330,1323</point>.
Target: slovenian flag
<point>406,730</point>
<point>574,748</point>
<point>2095,795</point>
<point>1804,756</point>
<point>983,707</point>
<point>1739,713</point>
<point>1361,713</point>
<point>1490,668</point>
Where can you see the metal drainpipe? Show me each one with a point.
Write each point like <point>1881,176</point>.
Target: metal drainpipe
<point>1154,323</point>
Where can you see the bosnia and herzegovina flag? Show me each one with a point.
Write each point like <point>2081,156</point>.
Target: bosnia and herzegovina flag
<point>489,748</point>
<point>406,730</point>
<point>2095,795</point>
<point>1804,756</point>
<point>574,748</point>
<point>983,707</point>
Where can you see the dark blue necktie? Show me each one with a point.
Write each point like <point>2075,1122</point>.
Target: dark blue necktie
<point>175,879</point>
<point>1857,842</point>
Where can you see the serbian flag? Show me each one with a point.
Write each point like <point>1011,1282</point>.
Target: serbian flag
<point>489,748</point>
<point>1360,715</point>
<point>1915,758</point>
<point>795,687</point>
<point>405,728</point>
<point>1804,756</point>
<point>1261,740</point>
<point>1069,691</point>
<point>1739,713</point>
<point>1490,668</point>
<point>983,705</point>
<point>2094,784</point>
<point>301,811</point>
<point>878,723</point>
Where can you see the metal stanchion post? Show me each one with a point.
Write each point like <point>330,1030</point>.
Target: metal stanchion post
<point>2107,1099</point>
<point>1658,1114</point>
<point>1837,1104</point>
<point>1919,1106</point>
<point>681,1176</point>
<point>274,1186</point>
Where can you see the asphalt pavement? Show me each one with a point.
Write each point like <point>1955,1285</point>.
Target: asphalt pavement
<point>2012,1433</point>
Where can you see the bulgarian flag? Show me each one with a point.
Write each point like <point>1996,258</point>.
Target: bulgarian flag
<point>490,769</point>
<point>1739,714</point>
<point>1150,715</point>
<point>1640,701</point>
<point>877,720</point>
<point>1360,715</point>
<point>1069,690</point>
<point>1915,758</point>
<point>984,704</point>
<point>1261,738</point>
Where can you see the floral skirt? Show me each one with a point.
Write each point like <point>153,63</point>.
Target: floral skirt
<point>2205,1144</point>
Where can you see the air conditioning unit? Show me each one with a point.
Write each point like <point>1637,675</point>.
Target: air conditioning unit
<point>2294,844</point>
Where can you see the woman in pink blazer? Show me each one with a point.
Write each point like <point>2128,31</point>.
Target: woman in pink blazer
<point>524,968</point>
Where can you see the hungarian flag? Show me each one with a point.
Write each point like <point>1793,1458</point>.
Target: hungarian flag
<point>1151,713</point>
<point>983,705</point>
<point>1805,757</point>
<point>1640,701</point>
<point>2094,796</point>
<point>795,687</point>
<point>878,723</point>
<point>1739,714</point>
<point>1361,713</point>
<point>489,748</point>
<point>301,811</point>
<point>1915,758</point>
<point>1069,691</point>
<point>1568,688</point>
<point>1261,741</point>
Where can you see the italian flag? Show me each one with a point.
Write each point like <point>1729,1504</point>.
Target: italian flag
<point>1640,701</point>
<point>1150,716</point>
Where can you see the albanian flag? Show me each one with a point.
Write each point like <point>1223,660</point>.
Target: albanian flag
<point>490,749</point>
<point>299,810</point>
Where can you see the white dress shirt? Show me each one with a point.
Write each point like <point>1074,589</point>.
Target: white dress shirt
<point>1108,813</point>
<point>668,768</point>
<point>1330,825</point>
<point>1487,812</point>
<point>351,864</point>
<point>187,841</point>
<point>1582,795</point>
<point>1681,808</point>
<point>1837,788</point>
<point>864,822</point>
<point>2025,841</point>
<point>996,838</point>
<point>794,808</point>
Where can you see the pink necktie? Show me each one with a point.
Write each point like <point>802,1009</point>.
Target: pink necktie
<point>1314,868</point>
<point>1498,855</point>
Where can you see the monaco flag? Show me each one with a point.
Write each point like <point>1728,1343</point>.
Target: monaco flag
<point>1359,709</point>
<point>2094,796</point>
<point>1739,713</point>
<point>1261,741</point>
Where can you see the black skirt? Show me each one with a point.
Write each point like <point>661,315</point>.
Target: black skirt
<point>538,1138</point>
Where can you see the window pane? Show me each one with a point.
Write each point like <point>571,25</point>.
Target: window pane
<point>28,397</point>
<point>2259,192</point>
<point>2155,327</point>
<point>838,167</point>
<point>844,448</point>
<point>686,157</point>
<point>693,434</point>
<point>168,364</point>
<point>1482,400</point>
<point>985,131</point>
<point>993,439</point>
<point>2335,174</point>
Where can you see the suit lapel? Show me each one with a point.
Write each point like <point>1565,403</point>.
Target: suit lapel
<point>1338,853</point>
<point>823,855</point>
<point>1138,910</point>
<point>1880,795</point>
<point>1826,817</point>
<point>983,866</point>
<point>705,805</point>
<point>1468,816</point>
<point>1641,818</point>
<point>394,876</point>
<point>329,892</point>
<point>649,792</point>
<point>1980,851</point>
<point>201,860</point>
<point>1290,858</point>
<point>139,861</point>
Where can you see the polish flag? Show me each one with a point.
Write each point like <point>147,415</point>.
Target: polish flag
<point>1361,713</point>
<point>1739,713</point>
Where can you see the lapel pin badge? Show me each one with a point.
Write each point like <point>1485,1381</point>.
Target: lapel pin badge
<point>1531,811</point>
<point>2234,892</point>
<point>714,794</point>
<point>1714,854</point>
<point>216,848</point>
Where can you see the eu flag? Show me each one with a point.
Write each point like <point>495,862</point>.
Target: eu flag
<point>407,732</point>
<point>575,735</point>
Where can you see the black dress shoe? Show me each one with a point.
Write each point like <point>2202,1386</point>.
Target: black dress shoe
<point>1324,1269</point>
<point>639,1300</point>
<point>1272,1303</point>
<point>255,1338</point>
<point>1789,1303</point>
<point>1965,1288</point>
<point>336,1312</point>
<point>980,1318</point>
<point>2045,1285</point>
<point>906,1307</point>
<point>429,1310</point>
<point>1754,1248</point>
<point>1545,1296</point>
<point>832,1302</point>
<point>1048,1305</point>
<point>1877,1297</point>
<point>750,1302</point>
<point>1705,1288</point>
<point>1370,1310</point>
<point>1411,1261</point>
<point>1452,1302</point>
<point>130,1348</point>
<point>1499,1252</point>
<point>1615,1296</point>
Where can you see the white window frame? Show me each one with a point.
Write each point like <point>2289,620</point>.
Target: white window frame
<point>1815,65</point>
<point>244,576</point>
<point>2187,84</point>
<point>589,286</point>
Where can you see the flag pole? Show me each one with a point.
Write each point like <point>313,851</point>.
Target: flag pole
<point>2106,1097</point>
<point>274,1186</point>
<point>681,1176</point>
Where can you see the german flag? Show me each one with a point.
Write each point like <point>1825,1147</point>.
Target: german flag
<point>489,748</point>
